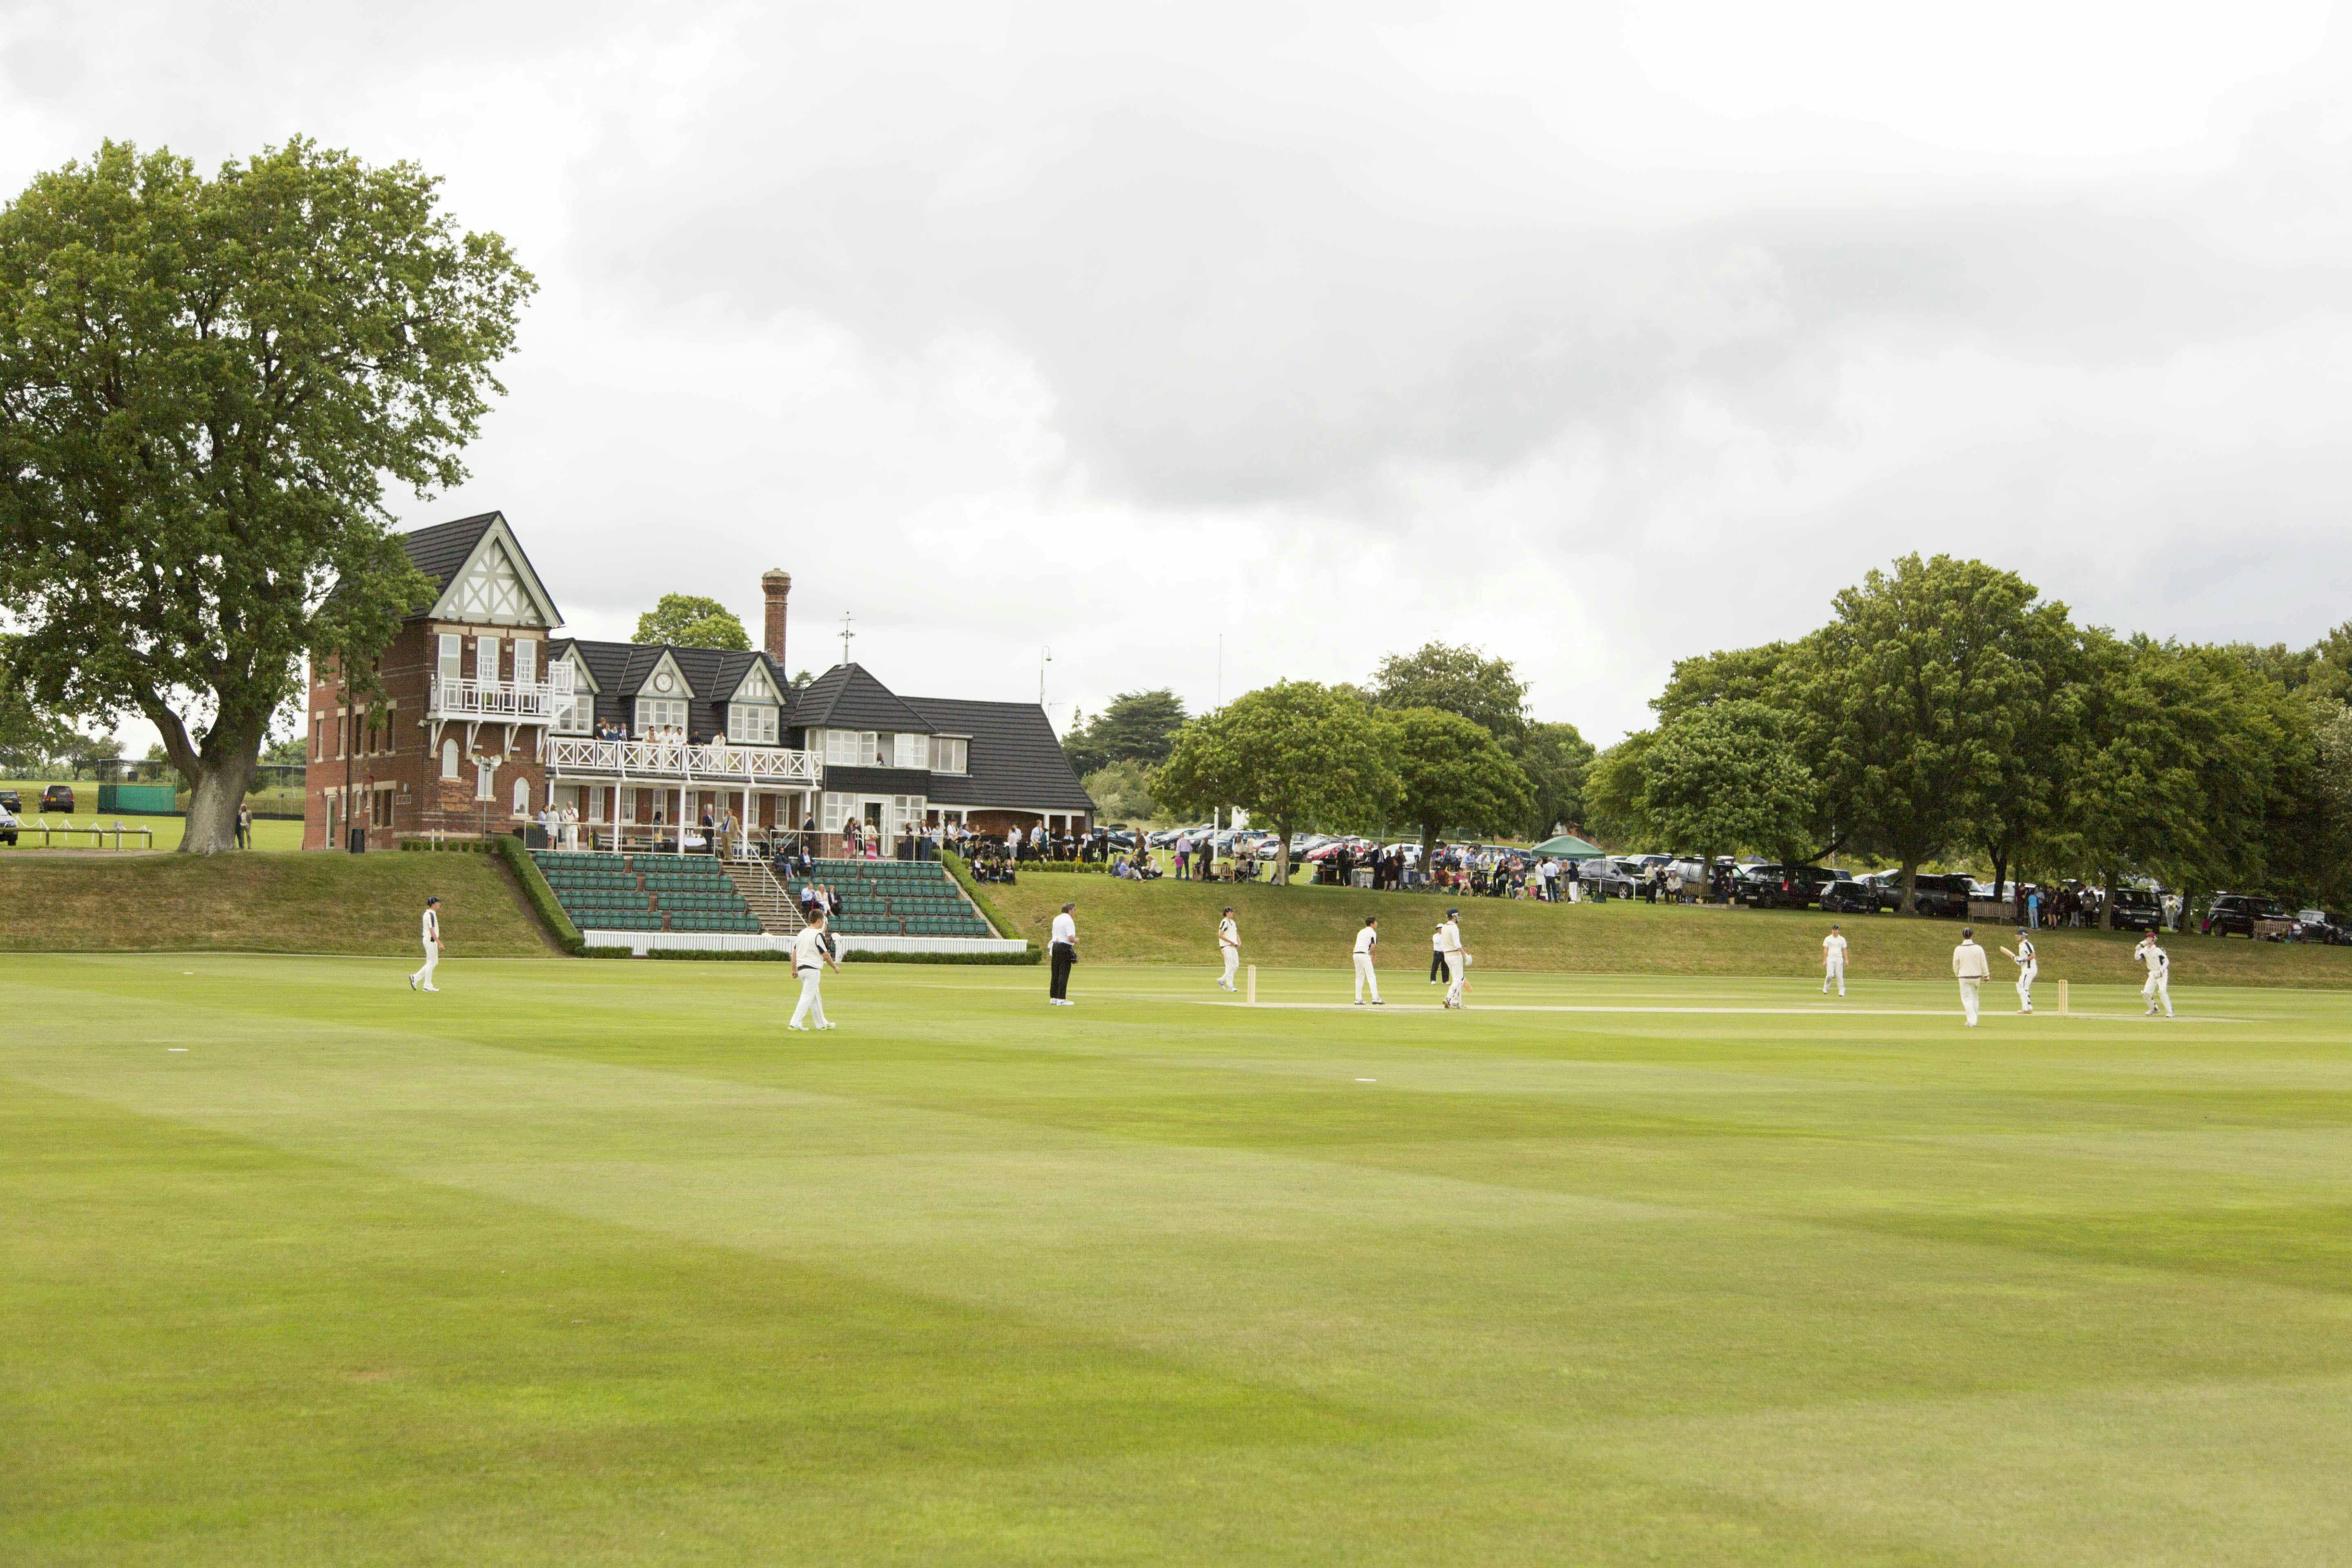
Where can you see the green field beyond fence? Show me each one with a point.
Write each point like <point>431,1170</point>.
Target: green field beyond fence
<point>593,1263</point>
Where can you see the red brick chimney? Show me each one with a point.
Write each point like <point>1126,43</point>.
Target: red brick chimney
<point>777,585</point>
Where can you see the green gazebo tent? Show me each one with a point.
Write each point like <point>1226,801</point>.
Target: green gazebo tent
<point>1568,847</point>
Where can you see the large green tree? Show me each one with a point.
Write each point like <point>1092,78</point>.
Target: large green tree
<point>1722,778</point>
<point>1462,680</point>
<point>1452,774</point>
<point>204,386</point>
<point>1292,754</point>
<point>689,620</point>
<point>1615,788</point>
<point>1136,727</point>
<point>1555,759</point>
<point>33,740</point>
<point>1912,694</point>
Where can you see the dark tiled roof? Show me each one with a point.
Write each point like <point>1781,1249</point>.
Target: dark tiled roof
<point>848,698</point>
<point>1016,761</point>
<point>439,551</point>
<point>620,668</point>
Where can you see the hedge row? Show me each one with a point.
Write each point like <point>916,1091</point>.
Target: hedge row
<point>542,898</point>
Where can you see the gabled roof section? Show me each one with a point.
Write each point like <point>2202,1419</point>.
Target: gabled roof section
<point>482,573</point>
<point>848,698</point>
<point>557,651</point>
<point>755,684</point>
<point>1016,761</point>
<point>619,671</point>
<point>664,662</point>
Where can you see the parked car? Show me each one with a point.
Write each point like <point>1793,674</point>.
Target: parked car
<point>1849,897</point>
<point>11,802</point>
<point>1604,877</point>
<point>2136,908</point>
<point>1941,896</point>
<point>2237,914</point>
<point>58,798</point>
<point>7,823</point>
<point>1771,887</point>
<point>2321,927</point>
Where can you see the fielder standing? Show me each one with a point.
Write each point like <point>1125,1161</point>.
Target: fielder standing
<point>1229,947</point>
<point>1065,954</point>
<point>1457,957</point>
<point>2159,988</point>
<point>423,979</point>
<point>1437,954</point>
<point>1971,968</point>
<point>810,953</point>
<point>1366,979</point>
<point>1833,960</point>
<point>2027,968</point>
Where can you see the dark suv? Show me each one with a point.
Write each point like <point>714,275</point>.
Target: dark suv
<point>58,798</point>
<point>1849,899</point>
<point>1945,897</point>
<point>2236,914</point>
<point>2136,908</point>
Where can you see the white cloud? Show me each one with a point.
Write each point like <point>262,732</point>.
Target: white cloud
<point>1597,335</point>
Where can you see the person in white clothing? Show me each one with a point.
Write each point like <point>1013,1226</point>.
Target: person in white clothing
<point>1229,947</point>
<point>1834,961</point>
<point>423,979</point>
<point>2027,968</point>
<point>1971,968</point>
<point>812,951</point>
<point>1457,957</point>
<point>2158,987</point>
<point>1064,952</point>
<point>1366,978</point>
<point>1437,954</point>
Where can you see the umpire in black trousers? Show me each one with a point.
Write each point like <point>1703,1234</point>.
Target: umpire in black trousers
<point>1065,954</point>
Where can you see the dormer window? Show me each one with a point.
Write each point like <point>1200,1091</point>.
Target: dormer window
<point>751,723</point>
<point>913,751</point>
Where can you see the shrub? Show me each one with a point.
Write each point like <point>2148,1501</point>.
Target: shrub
<point>542,898</point>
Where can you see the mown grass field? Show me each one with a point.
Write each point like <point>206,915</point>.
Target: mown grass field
<point>269,834</point>
<point>1175,922</point>
<point>592,1263</point>
<point>263,904</point>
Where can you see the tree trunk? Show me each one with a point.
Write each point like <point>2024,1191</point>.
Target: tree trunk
<point>1910,887</point>
<point>1999,872</point>
<point>2107,899</point>
<point>219,772</point>
<point>1428,845</point>
<point>1282,855</point>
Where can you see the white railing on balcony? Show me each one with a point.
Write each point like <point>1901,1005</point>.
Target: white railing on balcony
<point>532,701</point>
<point>719,763</point>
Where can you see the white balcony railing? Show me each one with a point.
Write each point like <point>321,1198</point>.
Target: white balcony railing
<point>716,764</point>
<point>530,701</point>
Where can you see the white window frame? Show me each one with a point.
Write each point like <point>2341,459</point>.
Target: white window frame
<point>849,749</point>
<point>951,753</point>
<point>453,656</point>
<point>521,807</point>
<point>752,723</point>
<point>526,660</point>
<point>448,759</point>
<point>655,711</point>
<point>911,752</point>
<point>486,660</point>
<point>486,781</point>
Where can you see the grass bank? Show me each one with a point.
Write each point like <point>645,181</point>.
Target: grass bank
<point>1312,927</point>
<point>260,903</point>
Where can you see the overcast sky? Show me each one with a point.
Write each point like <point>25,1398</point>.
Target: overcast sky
<point>1594,335</point>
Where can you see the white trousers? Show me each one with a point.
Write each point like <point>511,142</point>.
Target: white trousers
<point>1232,967</point>
<point>2025,986</point>
<point>2159,992</point>
<point>1366,978</point>
<point>812,1003</point>
<point>1969,999</point>
<point>1574,897</point>
<point>1834,973</point>
<point>422,978</point>
<point>1454,970</point>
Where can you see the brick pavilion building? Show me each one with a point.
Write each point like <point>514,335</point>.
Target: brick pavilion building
<point>489,714</point>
